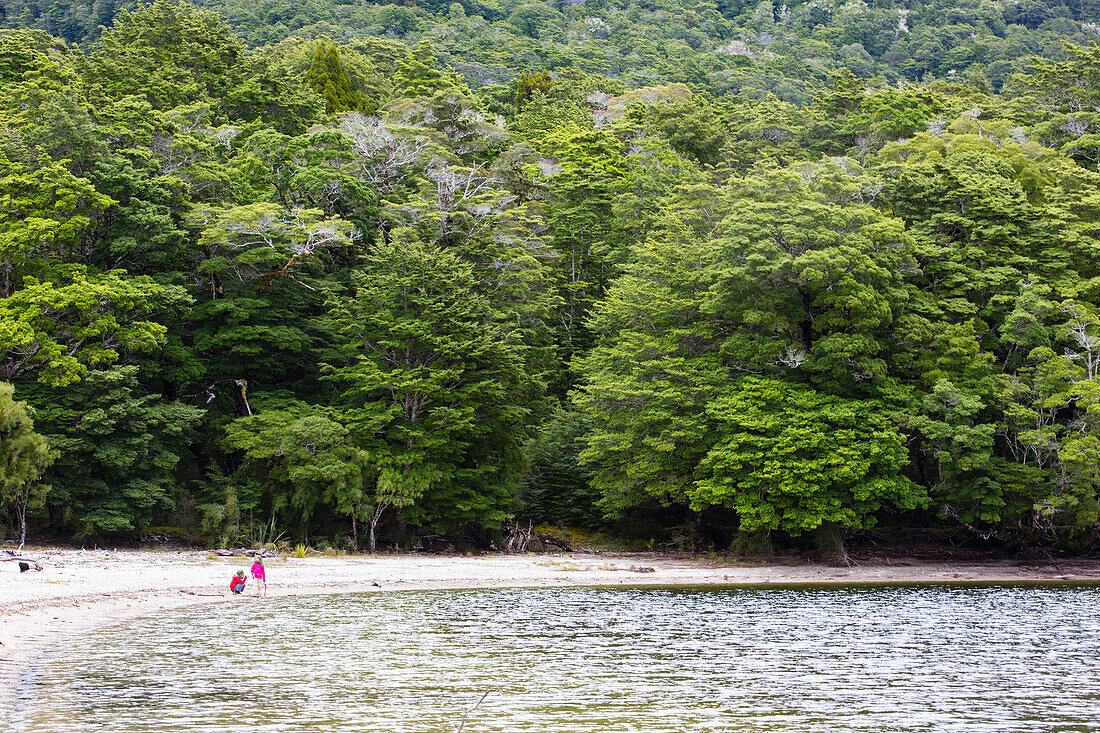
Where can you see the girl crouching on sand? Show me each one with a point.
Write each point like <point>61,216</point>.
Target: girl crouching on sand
<point>236,583</point>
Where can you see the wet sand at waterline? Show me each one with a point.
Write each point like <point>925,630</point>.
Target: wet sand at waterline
<point>78,590</point>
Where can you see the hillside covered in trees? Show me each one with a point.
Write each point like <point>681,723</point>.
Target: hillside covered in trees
<point>345,272</point>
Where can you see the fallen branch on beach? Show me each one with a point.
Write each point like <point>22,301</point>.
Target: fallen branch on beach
<point>242,552</point>
<point>516,538</point>
<point>25,563</point>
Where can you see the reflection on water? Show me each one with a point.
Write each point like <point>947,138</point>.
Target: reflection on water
<point>994,659</point>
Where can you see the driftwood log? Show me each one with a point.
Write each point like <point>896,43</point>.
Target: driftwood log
<point>242,552</point>
<point>25,563</point>
<point>516,538</point>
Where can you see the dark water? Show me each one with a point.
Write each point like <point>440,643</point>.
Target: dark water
<point>994,659</point>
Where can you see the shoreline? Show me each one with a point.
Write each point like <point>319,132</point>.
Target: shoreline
<point>80,590</point>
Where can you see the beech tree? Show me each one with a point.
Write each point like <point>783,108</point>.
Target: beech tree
<point>307,457</point>
<point>24,456</point>
<point>58,330</point>
<point>440,381</point>
<point>171,54</point>
<point>789,458</point>
<point>811,274</point>
<point>44,213</point>
<point>118,450</point>
<point>644,387</point>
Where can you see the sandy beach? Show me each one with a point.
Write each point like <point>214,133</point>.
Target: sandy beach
<point>78,590</point>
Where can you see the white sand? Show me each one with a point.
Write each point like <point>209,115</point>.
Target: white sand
<point>80,589</point>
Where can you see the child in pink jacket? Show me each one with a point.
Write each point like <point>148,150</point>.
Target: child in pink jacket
<point>258,575</point>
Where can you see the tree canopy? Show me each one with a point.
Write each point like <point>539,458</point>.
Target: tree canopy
<point>688,271</point>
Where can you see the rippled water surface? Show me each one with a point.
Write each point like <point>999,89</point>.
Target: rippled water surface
<point>994,659</point>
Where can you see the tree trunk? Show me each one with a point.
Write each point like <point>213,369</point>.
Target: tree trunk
<point>751,544</point>
<point>374,517</point>
<point>354,532</point>
<point>243,384</point>
<point>21,508</point>
<point>830,544</point>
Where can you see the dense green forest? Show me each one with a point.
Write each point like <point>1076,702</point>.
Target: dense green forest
<point>706,274</point>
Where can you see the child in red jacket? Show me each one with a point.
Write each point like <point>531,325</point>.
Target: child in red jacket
<point>236,583</point>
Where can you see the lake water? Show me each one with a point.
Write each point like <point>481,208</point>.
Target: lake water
<point>996,659</point>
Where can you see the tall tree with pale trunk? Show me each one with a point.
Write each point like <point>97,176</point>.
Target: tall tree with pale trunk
<point>24,455</point>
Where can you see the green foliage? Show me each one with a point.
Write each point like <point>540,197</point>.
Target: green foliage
<point>1064,96</point>
<point>60,329</point>
<point>691,128</point>
<point>170,54</point>
<point>646,385</point>
<point>557,489</point>
<point>789,458</point>
<point>529,84</point>
<point>341,265</point>
<point>417,76</point>
<point>306,457</point>
<point>118,450</point>
<point>811,275</point>
<point>435,379</point>
<point>330,79</point>
<point>24,456</point>
<point>45,211</point>
<point>541,117</point>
